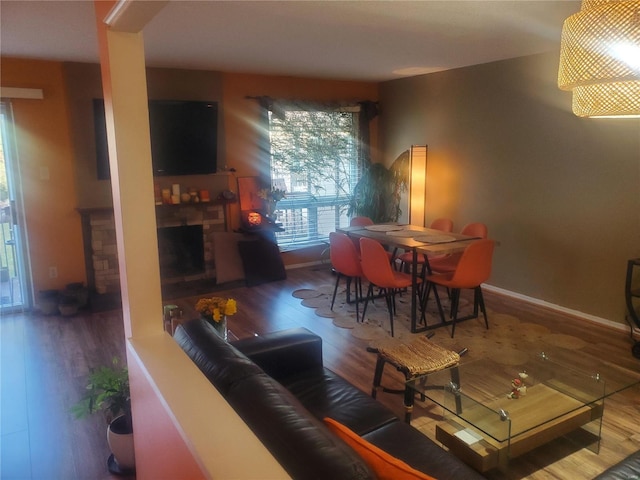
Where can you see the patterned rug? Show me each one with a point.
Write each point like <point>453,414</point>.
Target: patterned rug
<point>509,340</point>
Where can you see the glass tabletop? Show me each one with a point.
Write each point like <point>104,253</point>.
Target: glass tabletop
<point>504,401</point>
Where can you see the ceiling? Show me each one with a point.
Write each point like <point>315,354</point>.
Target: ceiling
<point>352,40</point>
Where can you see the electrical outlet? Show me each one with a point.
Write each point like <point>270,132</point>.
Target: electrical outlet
<point>53,272</point>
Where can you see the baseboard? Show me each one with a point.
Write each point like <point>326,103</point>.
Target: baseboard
<point>293,266</point>
<point>551,306</point>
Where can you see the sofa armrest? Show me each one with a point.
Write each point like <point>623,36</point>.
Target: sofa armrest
<point>285,353</point>
<point>626,469</point>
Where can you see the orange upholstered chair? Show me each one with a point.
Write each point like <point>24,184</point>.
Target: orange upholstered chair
<point>377,269</point>
<point>360,222</point>
<point>448,263</point>
<point>365,222</point>
<point>442,224</point>
<point>472,270</point>
<point>346,262</point>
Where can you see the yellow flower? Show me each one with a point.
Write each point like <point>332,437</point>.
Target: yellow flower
<point>231,307</point>
<point>216,307</point>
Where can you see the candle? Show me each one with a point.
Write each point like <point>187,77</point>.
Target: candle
<point>166,196</point>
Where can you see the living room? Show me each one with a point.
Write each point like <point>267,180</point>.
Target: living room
<point>557,191</point>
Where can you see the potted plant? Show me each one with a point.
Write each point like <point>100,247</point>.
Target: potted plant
<point>108,392</point>
<point>67,304</point>
<point>378,192</point>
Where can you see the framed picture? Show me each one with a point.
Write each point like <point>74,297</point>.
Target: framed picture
<point>248,188</point>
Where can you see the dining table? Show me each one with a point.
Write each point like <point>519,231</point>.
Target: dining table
<point>418,240</point>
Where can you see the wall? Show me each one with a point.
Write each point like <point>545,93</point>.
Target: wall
<point>44,142</point>
<point>561,194</point>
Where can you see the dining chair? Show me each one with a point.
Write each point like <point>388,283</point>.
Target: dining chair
<point>365,222</point>
<point>346,262</point>
<point>442,224</point>
<point>360,222</point>
<point>448,263</point>
<point>472,270</point>
<point>378,271</point>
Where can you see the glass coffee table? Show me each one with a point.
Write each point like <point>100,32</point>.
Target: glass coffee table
<point>497,412</point>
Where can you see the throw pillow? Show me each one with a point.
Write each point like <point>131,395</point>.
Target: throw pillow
<point>385,466</point>
<point>261,261</point>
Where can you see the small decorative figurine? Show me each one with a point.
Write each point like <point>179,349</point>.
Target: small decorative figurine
<point>516,384</point>
<point>518,388</point>
<point>523,387</point>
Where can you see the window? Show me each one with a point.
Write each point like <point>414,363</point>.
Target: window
<point>315,159</point>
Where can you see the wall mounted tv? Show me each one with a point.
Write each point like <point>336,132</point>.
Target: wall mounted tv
<point>184,137</point>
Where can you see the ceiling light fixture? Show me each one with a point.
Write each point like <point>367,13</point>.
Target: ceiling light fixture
<point>600,58</point>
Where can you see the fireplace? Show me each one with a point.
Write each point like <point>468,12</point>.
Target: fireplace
<point>181,251</point>
<point>101,254</point>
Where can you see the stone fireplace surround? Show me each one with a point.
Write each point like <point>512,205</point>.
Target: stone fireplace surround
<point>99,238</point>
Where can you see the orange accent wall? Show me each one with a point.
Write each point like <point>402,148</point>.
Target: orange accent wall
<point>44,142</point>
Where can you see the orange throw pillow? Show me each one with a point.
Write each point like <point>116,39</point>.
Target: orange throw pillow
<point>385,466</point>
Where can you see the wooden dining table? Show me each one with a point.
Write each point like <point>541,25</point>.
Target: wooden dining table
<point>418,240</point>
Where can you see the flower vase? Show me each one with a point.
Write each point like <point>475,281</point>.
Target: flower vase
<point>220,327</point>
<point>271,209</point>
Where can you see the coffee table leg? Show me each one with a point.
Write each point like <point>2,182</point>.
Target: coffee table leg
<point>408,403</point>
<point>377,376</point>
<point>455,379</point>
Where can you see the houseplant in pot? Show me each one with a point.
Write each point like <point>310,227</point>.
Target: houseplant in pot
<point>108,392</point>
<point>377,194</point>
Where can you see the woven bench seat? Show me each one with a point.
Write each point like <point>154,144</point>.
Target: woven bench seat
<point>417,358</point>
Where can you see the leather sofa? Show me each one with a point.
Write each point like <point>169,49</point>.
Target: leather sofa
<point>278,385</point>
<point>627,469</point>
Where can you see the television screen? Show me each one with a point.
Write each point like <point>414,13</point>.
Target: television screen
<point>184,137</point>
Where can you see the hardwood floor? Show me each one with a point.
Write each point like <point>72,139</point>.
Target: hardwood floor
<point>45,360</point>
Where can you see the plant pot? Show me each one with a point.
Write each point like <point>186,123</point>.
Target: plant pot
<point>68,309</point>
<point>48,301</point>
<point>79,292</point>
<point>120,440</point>
<point>67,304</point>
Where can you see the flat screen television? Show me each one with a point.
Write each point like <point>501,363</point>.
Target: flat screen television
<point>184,137</point>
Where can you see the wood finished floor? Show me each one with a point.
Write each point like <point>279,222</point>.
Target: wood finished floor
<point>45,361</point>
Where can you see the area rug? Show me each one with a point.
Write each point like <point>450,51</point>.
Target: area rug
<point>508,341</point>
<point>306,293</point>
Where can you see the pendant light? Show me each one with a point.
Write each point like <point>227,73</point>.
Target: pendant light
<point>600,58</point>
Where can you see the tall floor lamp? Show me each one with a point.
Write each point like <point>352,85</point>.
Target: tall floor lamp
<point>418,185</point>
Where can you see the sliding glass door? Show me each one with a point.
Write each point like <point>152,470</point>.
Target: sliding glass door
<point>14,278</point>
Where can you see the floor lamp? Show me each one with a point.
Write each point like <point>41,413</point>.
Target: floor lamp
<point>418,185</point>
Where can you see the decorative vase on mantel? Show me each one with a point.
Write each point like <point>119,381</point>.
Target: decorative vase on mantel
<point>220,326</point>
<point>271,209</point>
